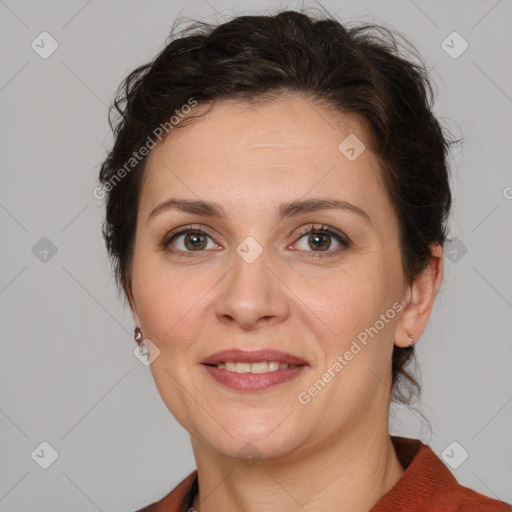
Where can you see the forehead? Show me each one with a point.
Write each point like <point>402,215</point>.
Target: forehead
<point>267,152</point>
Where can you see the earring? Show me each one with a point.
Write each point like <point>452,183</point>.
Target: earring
<point>137,334</point>
<point>411,343</point>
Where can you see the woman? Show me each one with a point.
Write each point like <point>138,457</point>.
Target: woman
<point>277,197</point>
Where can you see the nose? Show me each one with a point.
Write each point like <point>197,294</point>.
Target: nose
<point>252,295</point>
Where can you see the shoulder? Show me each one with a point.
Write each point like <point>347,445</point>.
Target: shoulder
<point>480,503</point>
<point>427,485</point>
<point>175,500</point>
<point>464,499</point>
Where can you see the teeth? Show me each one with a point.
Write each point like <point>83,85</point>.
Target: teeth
<point>242,367</point>
<point>259,367</point>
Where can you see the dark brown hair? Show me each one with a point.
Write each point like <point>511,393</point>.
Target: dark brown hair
<point>360,70</point>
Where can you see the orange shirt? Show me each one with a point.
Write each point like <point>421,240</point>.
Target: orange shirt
<point>426,486</point>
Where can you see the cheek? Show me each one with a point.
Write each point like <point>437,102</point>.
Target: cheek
<point>169,306</point>
<point>346,303</point>
<point>357,315</point>
<point>167,297</point>
<point>166,316</point>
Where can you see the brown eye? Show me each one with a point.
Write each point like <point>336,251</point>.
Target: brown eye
<point>189,240</point>
<point>320,240</point>
<point>195,241</point>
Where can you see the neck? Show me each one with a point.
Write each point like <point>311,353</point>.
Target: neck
<point>349,474</point>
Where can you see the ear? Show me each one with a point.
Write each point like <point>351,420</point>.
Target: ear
<point>420,300</point>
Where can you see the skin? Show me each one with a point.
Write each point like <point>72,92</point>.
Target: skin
<point>333,453</point>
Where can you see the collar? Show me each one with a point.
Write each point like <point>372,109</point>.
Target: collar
<point>426,485</point>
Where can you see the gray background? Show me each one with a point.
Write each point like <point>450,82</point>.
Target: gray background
<point>68,373</point>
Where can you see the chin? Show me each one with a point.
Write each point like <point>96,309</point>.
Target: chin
<point>250,449</point>
<point>246,439</point>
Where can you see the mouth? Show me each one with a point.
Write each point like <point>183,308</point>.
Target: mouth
<point>253,370</point>
<point>254,361</point>
<point>258,367</point>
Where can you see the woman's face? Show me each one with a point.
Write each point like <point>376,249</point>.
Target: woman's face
<point>249,276</point>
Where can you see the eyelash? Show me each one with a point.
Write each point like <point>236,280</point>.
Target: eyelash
<point>309,230</point>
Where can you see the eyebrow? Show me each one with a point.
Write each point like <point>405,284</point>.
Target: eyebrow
<point>285,210</point>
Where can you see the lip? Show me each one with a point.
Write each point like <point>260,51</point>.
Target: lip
<point>253,356</point>
<point>253,381</point>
